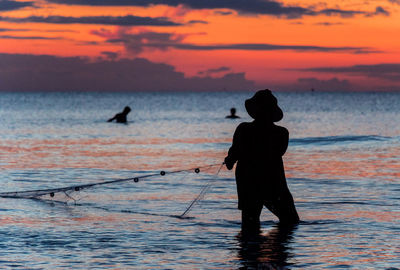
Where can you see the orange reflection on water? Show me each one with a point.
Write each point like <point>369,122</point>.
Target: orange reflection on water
<point>155,153</point>
<point>375,215</point>
<point>26,221</point>
<point>343,164</point>
<point>88,220</point>
<point>378,216</point>
<point>340,255</point>
<point>124,153</point>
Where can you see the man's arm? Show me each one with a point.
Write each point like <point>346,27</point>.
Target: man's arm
<point>111,119</point>
<point>283,141</point>
<point>233,153</point>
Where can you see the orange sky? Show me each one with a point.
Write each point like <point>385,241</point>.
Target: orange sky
<point>329,34</point>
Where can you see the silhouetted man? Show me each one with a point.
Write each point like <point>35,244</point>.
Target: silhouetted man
<point>258,148</point>
<point>121,117</point>
<point>233,114</point>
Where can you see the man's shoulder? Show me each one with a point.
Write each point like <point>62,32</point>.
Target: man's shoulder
<point>281,129</point>
<point>244,125</point>
<point>243,128</point>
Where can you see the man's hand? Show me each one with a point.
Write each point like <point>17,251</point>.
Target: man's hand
<point>228,163</point>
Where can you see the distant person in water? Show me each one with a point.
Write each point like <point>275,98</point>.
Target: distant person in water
<point>233,114</point>
<point>121,117</point>
<point>258,148</point>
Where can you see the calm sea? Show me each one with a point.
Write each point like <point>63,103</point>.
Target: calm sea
<point>342,165</point>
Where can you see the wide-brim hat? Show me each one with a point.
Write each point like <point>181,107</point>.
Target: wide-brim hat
<point>264,105</point>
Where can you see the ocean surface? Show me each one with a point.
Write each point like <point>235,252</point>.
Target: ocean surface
<point>342,166</point>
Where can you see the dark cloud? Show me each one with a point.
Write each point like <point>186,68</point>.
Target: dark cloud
<point>29,37</point>
<point>137,42</point>
<point>128,20</point>
<point>110,2</point>
<point>37,30</point>
<point>297,23</point>
<point>55,30</point>
<point>7,5</point>
<point>328,23</point>
<point>267,47</point>
<point>13,30</point>
<point>266,7</point>
<point>389,72</point>
<point>197,21</point>
<point>367,51</point>
<point>341,13</point>
<point>223,13</point>
<point>220,69</point>
<point>110,55</point>
<point>351,13</point>
<point>334,84</point>
<point>50,73</point>
<point>243,7</point>
<point>212,71</point>
<point>381,11</point>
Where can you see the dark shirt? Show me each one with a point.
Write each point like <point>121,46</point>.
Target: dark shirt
<point>232,116</point>
<point>119,117</point>
<point>258,148</point>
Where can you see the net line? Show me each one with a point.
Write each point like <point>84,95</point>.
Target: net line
<point>35,193</point>
<point>202,193</point>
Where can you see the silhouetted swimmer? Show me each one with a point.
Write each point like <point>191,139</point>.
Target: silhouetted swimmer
<point>258,148</point>
<point>121,117</point>
<point>233,114</point>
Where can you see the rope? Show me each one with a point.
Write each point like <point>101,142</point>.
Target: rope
<point>202,193</point>
<point>52,191</point>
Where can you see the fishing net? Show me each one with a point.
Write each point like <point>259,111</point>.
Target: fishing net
<point>76,193</point>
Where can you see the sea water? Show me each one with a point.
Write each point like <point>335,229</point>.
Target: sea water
<point>342,167</point>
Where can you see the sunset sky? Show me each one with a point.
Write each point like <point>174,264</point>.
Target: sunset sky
<point>150,45</point>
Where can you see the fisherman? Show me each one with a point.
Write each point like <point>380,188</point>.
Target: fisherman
<point>121,117</point>
<point>258,148</point>
<point>233,114</point>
